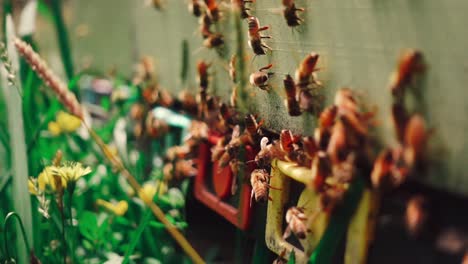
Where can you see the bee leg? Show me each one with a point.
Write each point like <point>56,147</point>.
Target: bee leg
<point>270,199</point>
<point>266,68</point>
<point>266,46</point>
<point>274,188</point>
<point>263,28</point>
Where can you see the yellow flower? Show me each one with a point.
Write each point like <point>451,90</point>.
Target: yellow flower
<point>119,208</point>
<point>149,190</point>
<point>68,123</point>
<point>54,128</point>
<point>46,179</point>
<point>32,186</point>
<point>71,171</point>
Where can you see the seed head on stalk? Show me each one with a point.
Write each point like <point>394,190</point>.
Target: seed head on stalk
<point>65,96</point>
<point>11,75</point>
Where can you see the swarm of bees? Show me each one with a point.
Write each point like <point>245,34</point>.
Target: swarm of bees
<point>340,147</point>
<point>394,164</point>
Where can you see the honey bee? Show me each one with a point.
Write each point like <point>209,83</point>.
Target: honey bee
<point>328,116</point>
<point>321,170</point>
<point>345,100</point>
<point>259,180</point>
<point>202,68</point>
<point>291,101</point>
<point>296,220</point>
<point>227,114</point>
<point>255,38</point>
<point>214,40</point>
<point>389,170</point>
<point>304,74</point>
<point>240,5</point>
<point>410,64</point>
<point>251,124</point>
<point>416,215</point>
<point>416,136</point>
<point>400,119</point>
<point>382,172</point>
<point>322,138</point>
<point>213,10</point>
<point>195,8</point>
<point>290,13</point>
<point>260,78</point>
<point>287,140</point>
<point>232,148</point>
<point>338,144</point>
<point>205,24</point>
<point>267,153</point>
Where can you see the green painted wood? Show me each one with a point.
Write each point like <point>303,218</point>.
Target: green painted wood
<point>359,42</point>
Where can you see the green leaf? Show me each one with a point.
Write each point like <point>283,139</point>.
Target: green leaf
<point>87,245</point>
<point>136,238</point>
<point>292,257</point>
<point>88,225</point>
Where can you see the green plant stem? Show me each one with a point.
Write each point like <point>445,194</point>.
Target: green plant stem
<point>144,222</point>
<point>64,239</point>
<point>63,39</point>
<point>7,9</point>
<point>72,228</point>
<point>5,233</point>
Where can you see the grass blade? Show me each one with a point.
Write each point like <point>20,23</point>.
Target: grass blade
<point>22,202</point>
